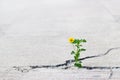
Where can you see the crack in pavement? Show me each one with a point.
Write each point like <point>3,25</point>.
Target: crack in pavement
<point>68,62</point>
<point>111,74</point>
<point>99,55</point>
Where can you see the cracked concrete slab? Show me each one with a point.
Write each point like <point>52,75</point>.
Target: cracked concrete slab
<point>35,33</point>
<point>112,6</point>
<point>68,74</point>
<point>115,75</point>
<point>117,18</point>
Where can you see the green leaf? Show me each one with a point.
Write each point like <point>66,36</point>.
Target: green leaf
<point>79,65</point>
<point>83,40</point>
<point>72,52</point>
<point>82,49</point>
<point>78,46</point>
<point>75,41</point>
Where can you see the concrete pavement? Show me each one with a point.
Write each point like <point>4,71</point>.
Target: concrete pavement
<point>36,32</point>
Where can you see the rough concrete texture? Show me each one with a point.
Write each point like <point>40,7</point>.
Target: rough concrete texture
<point>35,32</point>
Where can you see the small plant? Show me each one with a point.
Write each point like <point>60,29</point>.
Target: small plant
<point>77,45</point>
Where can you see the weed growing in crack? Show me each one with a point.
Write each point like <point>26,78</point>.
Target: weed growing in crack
<point>77,45</point>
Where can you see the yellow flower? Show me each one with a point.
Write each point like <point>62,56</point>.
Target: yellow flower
<point>71,40</point>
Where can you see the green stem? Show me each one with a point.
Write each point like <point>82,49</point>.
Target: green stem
<point>76,57</point>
